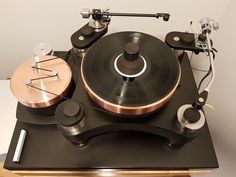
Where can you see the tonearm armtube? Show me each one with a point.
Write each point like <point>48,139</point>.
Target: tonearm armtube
<point>97,14</point>
<point>98,26</point>
<point>207,26</point>
<point>190,116</point>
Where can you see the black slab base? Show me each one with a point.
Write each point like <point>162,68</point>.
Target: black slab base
<point>46,149</point>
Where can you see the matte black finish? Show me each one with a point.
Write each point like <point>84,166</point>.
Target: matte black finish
<point>180,45</point>
<point>192,115</point>
<point>71,109</point>
<point>89,38</point>
<point>46,149</point>
<point>158,80</point>
<point>131,51</point>
<point>200,100</point>
<point>202,37</point>
<point>130,67</point>
<point>187,38</point>
<point>69,113</point>
<point>87,31</point>
<point>130,62</point>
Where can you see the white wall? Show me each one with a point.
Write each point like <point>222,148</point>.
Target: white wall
<point>222,121</point>
<point>26,23</point>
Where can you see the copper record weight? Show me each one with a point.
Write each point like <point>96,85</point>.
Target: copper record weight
<point>141,93</point>
<point>41,82</point>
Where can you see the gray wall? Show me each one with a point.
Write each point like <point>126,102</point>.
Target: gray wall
<point>26,23</point>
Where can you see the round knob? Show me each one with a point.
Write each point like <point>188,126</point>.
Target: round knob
<point>85,13</point>
<point>131,51</point>
<point>130,64</point>
<point>202,37</point>
<point>189,119</point>
<point>71,109</point>
<point>69,113</point>
<point>192,115</point>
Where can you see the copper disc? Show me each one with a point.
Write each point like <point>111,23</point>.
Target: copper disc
<point>46,91</point>
<point>147,92</point>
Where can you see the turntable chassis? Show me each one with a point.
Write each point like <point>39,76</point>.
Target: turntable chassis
<point>43,156</point>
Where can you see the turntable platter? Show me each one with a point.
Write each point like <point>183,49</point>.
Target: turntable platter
<point>142,94</point>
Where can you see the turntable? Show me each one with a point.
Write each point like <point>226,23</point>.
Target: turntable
<point>123,102</point>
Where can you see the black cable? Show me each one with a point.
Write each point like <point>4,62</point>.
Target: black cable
<point>68,54</point>
<point>76,69</point>
<point>69,57</point>
<point>74,66</point>
<point>207,74</point>
<point>190,59</point>
<point>208,71</point>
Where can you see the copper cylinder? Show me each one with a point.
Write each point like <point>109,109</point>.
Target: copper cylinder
<point>44,92</point>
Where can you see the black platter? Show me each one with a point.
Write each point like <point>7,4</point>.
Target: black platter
<point>154,85</point>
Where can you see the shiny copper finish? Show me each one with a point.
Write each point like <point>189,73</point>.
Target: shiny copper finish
<point>130,111</point>
<point>115,173</point>
<point>35,98</point>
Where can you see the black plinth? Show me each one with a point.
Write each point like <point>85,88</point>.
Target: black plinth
<point>46,149</point>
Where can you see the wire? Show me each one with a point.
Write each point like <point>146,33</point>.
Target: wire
<point>191,26</point>
<point>43,90</point>
<point>54,58</point>
<point>191,56</point>
<point>204,49</point>
<point>43,69</point>
<point>71,60</point>
<point>201,70</point>
<point>190,59</point>
<point>207,74</point>
<point>66,98</point>
<point>209,71</point>
<point>68,54</point>
<point>45,77</point>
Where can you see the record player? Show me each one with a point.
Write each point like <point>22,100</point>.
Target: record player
<point>121,101</point>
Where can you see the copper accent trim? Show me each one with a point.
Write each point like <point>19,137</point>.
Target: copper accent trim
<point>114,172</point>
<point>125,110</point>
<point>34,98</point>
<point>103,172</point>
